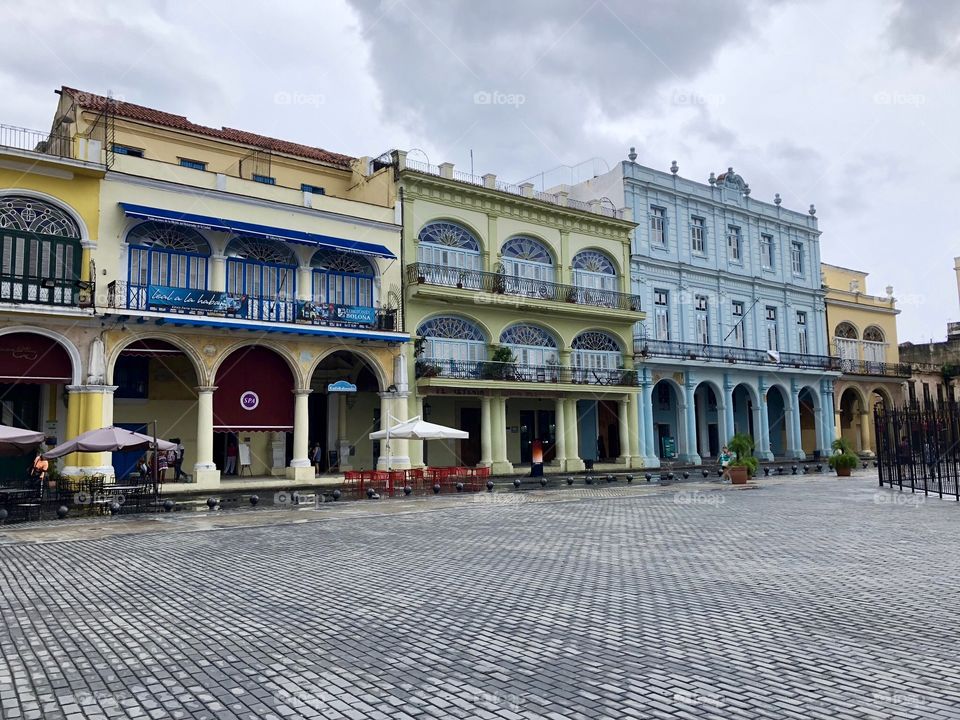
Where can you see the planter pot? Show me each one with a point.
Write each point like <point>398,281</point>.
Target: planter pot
<point>738,475</point>
<point>843,472</point>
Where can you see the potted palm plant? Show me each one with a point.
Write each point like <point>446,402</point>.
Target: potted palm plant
<point>745,465</point>
<point>843,459</point>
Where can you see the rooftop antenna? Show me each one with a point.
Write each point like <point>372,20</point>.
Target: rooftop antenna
<point>471,161</point>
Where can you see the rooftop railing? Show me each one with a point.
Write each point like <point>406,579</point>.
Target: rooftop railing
<point>39,141</point>
<point>868,367</point>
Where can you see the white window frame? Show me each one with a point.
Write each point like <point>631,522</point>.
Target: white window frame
<point>661,312</point>
<point>703,319</point>
<point>773,340</point>
<point>698,235</point>
<point>658,226</point>
<point>796,257</point>
<point>739,337</point>
<point>766,251</point>
<point>734,244</point>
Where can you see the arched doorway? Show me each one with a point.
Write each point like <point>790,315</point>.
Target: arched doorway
<point>345,407</point>
<point>443,246</point>
<point>341,278</point>
<point>708,420</point>
<point>527,258</point>
<point>852,417</point>
<point>777,422</point>
<point>34,372</point>
<point>667,423</point>
<point>744,411</point>
<point>155,380</point>
<point>253,404</point>
<point>810,422</point>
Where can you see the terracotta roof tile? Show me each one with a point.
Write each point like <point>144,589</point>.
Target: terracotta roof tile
<point>90,101</point>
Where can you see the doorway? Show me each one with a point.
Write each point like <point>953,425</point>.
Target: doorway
<point>470,447</point>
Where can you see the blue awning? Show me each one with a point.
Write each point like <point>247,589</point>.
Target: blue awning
<point>239,227</point>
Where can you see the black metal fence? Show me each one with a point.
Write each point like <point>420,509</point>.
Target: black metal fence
<point>918,447</point>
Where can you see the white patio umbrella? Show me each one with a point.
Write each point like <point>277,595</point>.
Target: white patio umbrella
<point>108,439</point>
<point>417,429</point>
<point>17,441</point>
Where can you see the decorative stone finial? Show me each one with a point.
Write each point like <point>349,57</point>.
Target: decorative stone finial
<point>712,179</point>
<point>813,209</point>
<point>776,199</point>
<point>730,171</point>
<point>633,154</point>
<point>674,168</point>
<point>746,189</point>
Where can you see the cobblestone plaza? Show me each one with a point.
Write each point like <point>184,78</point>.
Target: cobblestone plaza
<point>800,598</point>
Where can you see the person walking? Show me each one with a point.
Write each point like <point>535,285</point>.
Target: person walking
<point>230,466</point>
<point>726,457</point>
<point>316,457</point>
<point>178,453</point>
<point>38,471</point>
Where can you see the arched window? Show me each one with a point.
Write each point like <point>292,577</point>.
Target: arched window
<point>452,338</point>
<point>595,351</point>
<point>165,255</point>
<point>342,278</point>
<point>530,344</point>
<point>592,270</point>
<point>448,245</point>
<point>874,345</point>
<point>266,272</point>
<point>845,340</point>
<point>39,252</point>
<point>526,257</point>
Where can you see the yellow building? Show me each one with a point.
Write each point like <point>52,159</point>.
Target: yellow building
<point>240,291</point>
<point>863,332</point>
<point>519,302</point>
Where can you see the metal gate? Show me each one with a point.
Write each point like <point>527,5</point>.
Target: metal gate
<point>918,447</point>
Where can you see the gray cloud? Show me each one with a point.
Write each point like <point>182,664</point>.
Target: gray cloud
<point>522,80</point>
<point>928,29</point>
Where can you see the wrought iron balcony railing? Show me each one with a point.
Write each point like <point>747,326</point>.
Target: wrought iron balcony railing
<point>122,295</point>
<point>58,145</point>
<point>497,283</point>
<point>869,367</point>
<point>517,372</point>
<point>733,355</point>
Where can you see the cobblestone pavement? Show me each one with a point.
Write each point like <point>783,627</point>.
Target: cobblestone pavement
<point>804,598</point>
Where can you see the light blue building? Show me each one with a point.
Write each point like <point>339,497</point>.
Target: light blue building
<point>735,336</point>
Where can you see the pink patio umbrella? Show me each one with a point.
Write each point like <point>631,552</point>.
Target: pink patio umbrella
<point>108,439</point>
<point>17,441</point>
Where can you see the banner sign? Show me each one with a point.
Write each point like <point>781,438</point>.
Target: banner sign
<point>162,296</point>
<point>323,313</point>
<point>342,386</point>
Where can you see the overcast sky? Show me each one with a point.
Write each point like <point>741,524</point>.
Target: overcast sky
<point>849,105</point>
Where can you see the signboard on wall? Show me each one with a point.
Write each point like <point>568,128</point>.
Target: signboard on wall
<point>324,313</point>
<point>165,297</point>
<point>669,447</point>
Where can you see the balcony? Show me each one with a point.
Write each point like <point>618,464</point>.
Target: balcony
<point>146,300</point>
<point>734,355</point>
<point>548,296</point>
<point>876,369</point>
<point>488,370</point>
<point>37,141</point>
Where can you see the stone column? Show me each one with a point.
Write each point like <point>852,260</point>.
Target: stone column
<point>574,461</point>
<point>689,454</point>
<point>763,431</point>
<point>865,444</point>
<point>74,401</point>
<point>486,440</point>
<point>304,282</point>
<point>731,425</point>
<point>792,416</point>
<point>703,426</point>
<point>205,472</point>
<point>301,468</point>
<point>501,465</point>
<point>651,458</point>
<point>560,426</point>
<point>415,447</point>
<point>623,426</point>
<point>633,430</point>
<point>343,443</point>
<point>96,412</point>
<point>218,272</point>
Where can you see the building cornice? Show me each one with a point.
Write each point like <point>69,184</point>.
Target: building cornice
<point>504,204</point>
<point>313,213</point>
